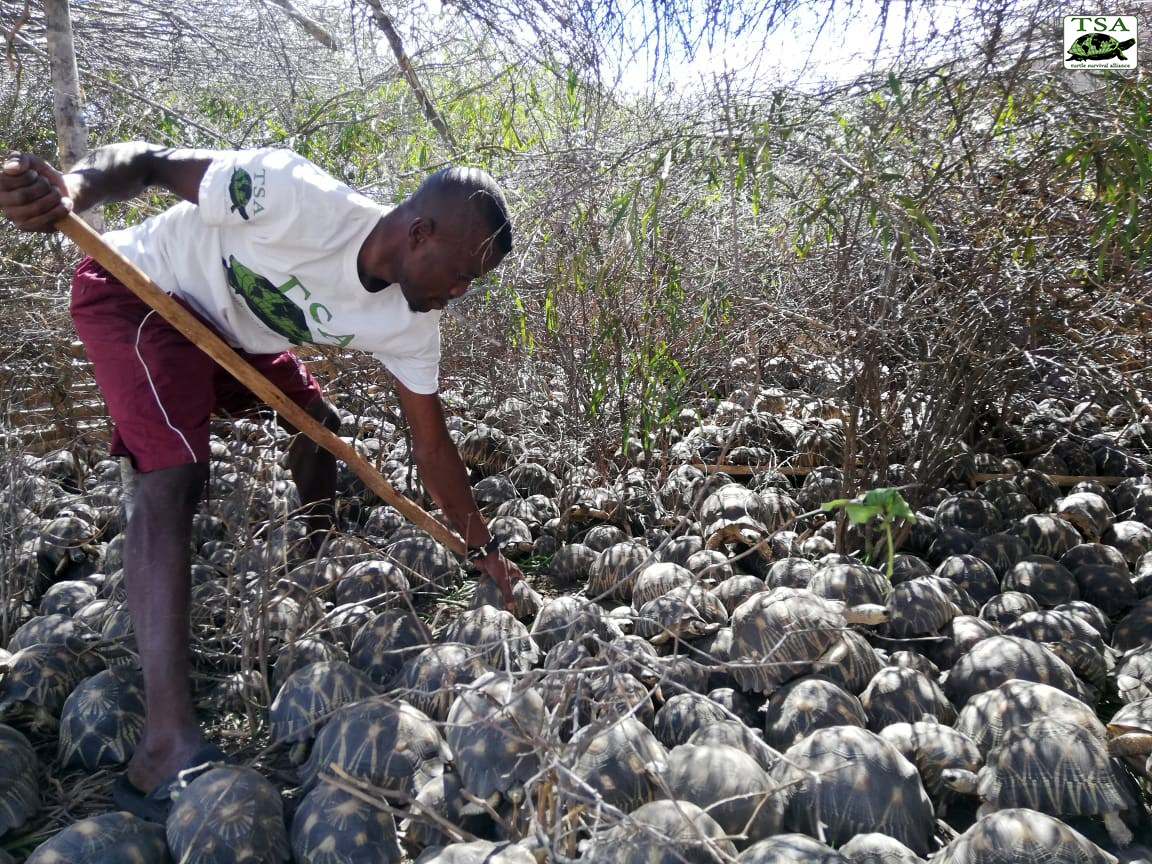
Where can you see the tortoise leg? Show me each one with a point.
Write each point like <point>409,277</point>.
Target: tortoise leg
<point>1117,830</point>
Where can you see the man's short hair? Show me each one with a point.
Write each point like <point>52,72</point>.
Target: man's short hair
<point>481,194</point>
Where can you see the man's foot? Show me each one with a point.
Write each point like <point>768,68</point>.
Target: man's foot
<point>155,804</point>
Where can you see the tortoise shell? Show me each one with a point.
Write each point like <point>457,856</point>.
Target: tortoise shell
<point>681,715</point>
<point>429,679</point>
<point>19,783</point>
<point>901,695</point>
<point>802,706</point>
<point>503,642</point>
<point>994,660</point>
<point>225,815</point>
<point>918,607</point>
<point>37,679</point>
<point>971,512</point>
<point>664,832</point>
<point>111,838</point>
<point>381,741</point>
<point>729,786</point>
<point>1022,836</point>
<point>613,571</point>
<point>494,729</point>
<point>791,847</point>
<point>375,582</point>
<point>309,697</point>
<point>382,646</point>
<point>989,715</point>
<point>934,748</point>
<point>572,563</point>
<point>102,720</point>
<point>1044,578</point>
<point>853,781</point>
<point>332,826</point>
<point>779,635</point>
<point>621,762</point>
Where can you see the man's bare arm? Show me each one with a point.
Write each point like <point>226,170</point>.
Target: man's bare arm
<point>35,196</point>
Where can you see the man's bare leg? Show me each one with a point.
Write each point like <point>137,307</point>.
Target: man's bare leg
<point>157,562</point>
<point>314,472</point>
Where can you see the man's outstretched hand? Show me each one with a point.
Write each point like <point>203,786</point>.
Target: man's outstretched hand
<point>33,194</point>
<point>504,573</point>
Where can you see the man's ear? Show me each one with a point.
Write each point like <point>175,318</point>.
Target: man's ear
<point>420,231</point>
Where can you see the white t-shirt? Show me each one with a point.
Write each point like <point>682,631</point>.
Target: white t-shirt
<point>269,257</point>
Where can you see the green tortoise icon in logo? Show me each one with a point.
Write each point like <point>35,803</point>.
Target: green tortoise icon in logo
<point>268,303</point>
<point>1099,46</point>
<point>240,191</point>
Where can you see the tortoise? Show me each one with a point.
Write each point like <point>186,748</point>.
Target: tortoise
<point>429,679</point>
<point>1019,835</point>
<point>934,747</point>
<point>19,784</point>
<point>600,537</point>
<point>683,714</point>
<point>619,762</point>
<point>384,742</point>
<point>568,617</point>
<point>298,653</point>
<point>488,450</point>
<point>846,781</point>
<point>527,511</point>
<point>228,814</point>
<point>1000,551</point>
<point>495,729</point>
<point>781,634</point>
<point>988,716</point>
<point>734,514</point>
<point>55,627</point>
<point>382,521</point>
<point>428,565</point>
<point>572,563</point>
<point>729,785</point>
<point>1133,675</point>
<point>504,642</point>
<point>333,826</point>
<point>1055,625</point>
<point>532,478</point>
<point>851,662</point>
<point>526,600</point>
<point>656,580</point>
<point>1041,490</point>
<point>972,573</point>
<point>876,848</point>
<point>736,589</point>
<point>382,645</point>
<point>1054,765</point>
<point>663,832</point>
<point>852,583</point>
<point>791,573</point>
<point>898,694</point>
<point>806,704</point>
<point>613,694</point>
<point>492,491</point>
<point>308,698</point>
<point>513,535</point>
<point>994,660</point>
<point>67,596</point>
<point>918,607</point>
<point>1087,512</point>
<point>679,549</point>
<point>110,838</point>
<point>1132,630</point>
<point>1046,579</point>
<point>970,511</point>
<point>787,848</point>
<point>1099,46</point>
<point>376,582</point>
<point>1005,607</point>
<point>613,571</point>
<point>737,705</point>
<point>102,720</point>
<point>442,803</point>
<point>36,680</point>
<point>733,733</point>
<point>1131,538</point>
<point>488,851</point>
<point>1090,663</point>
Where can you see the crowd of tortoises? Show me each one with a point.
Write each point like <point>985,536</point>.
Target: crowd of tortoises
<point>703,666</point>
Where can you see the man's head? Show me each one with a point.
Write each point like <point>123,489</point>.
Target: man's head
<point>457,230</point>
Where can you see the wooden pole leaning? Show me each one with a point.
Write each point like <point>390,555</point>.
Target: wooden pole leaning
<point>91,243</point>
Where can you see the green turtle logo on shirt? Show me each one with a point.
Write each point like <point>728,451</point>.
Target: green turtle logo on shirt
<point>268,302</point>
<point>240,191</point>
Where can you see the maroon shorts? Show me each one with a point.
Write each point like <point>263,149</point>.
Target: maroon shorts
<point>161,390</point>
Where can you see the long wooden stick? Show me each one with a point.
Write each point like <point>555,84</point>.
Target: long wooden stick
<point>136,281</point>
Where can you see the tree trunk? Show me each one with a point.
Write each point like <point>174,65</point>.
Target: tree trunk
<point>71,131</point>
